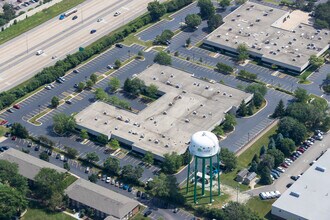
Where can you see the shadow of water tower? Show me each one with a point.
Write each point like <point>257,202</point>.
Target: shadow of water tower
<point>204,145</point>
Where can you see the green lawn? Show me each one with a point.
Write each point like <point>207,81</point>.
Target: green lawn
<point>218,200</point>
<point>245,158</point>
<point>68,180</point>
<point>3,130</point>
<point>37,19</point>
<point>39,214</point>
<point>262,207</point>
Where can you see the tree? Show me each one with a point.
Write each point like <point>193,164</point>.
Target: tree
<point>163,58</point>
<point>258,99</point>
<point>132,174</point>
<point>134,86</point>
<point>253,167</point>
<point>12,202</point>
<point>117,64</point>
<point>81,86</point>
<point>237,211</point>
<point>278,156</point>
<point>102,139</point>
<point>156,10</point>
<point>256,88</point>
<point>164,38</point>
<point>229,159</point>
<point>321,13</point>
<point>63,123</point>
<point>8,11</point>
<point>148,158</point>
<point>299,3</point>
<point>242,51</point>
<point>256,158</point>
<point>55,102</point>
<point>262,150</point>
<point>172,162</point>
<point>140,54</point>
<point>100,94</point>
<point>271,144</point>
<point>226,69</point>
<point>93,77</point>
<point>286,146</point>
<point>49,187</point>
<point>83,134</point>
<point>111,165</point>
<point>265,176</point>
<point>19,130</point>
<point>279,138</point>
<point>316,61</point>
<point>10,176</point>
<point>242,109</point>
<point>44,156</point>
<point>224,3</point>
<point>291,128</point>
<point>193,20</point>
<point>92,157</point>
<point>152,91</point>
<point>279,111</point>
<point>71,152</point>
<point>89,84</point>
<point>206,8</point>
<point>114,144</point>
<point>92,178</point>
<point>301,95</point>
<point>214,22</point>
<point>268,161</point>
<point>229,123</point>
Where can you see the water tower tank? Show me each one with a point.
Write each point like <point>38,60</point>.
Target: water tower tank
<point>204,144</point>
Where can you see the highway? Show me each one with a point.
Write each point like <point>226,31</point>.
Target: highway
<point>18,60</point>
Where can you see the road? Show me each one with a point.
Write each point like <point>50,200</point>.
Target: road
<point>18,60</point>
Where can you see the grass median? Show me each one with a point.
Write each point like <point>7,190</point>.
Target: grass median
<point>37,19</point>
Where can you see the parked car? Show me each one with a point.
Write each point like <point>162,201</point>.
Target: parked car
<point>277,193</point>
<point>108,180</point>
<point>110,67</point>
<point>280,169</point>
<point>288,185</point>
<point>138,193</point>
<point>62,158</point>
<point>5,147</point>
<point>277,172</point>
<point>125,187</point>
<point>263,195</point>
<point>130,189</point>
<point>121,185</point>
<point>3,122</point>
<point>284,165</point>
<point>274,175</point>
<point>7,134</point>
<point>113,182</point>
<point>87,170</point>
<point>176,210</point>
<point>104,177</point>
<point>13,138</point>
<point>117,184</point>
<point>76,71</point>
<point>147,213</point>
<point>294,177</point>
<point>10,110</point>
<point>17,106</point>
<point>37,148</point>
<point>311,163</point>
<point>58,156</point>
<point>119,45</point>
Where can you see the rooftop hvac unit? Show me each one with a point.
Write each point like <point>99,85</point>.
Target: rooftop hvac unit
<point>233,19</point>
<point>218,36</point>
<point>238,15</point>
<point>162,73</point>
<point>295,194</point>
<point>293,59</point>
<point>258,20</point>
<point>229,29</point>
<point>319,168</point>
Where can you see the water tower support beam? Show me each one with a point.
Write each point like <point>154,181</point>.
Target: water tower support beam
<point>195,180</point>
<point>211,177</point>
<point>218,167</point>
<point>188,174</point>
<point>203,177</point>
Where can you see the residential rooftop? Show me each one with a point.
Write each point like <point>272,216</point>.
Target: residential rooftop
<point>188,105</point>
<point>279,37</point>
<point>309,196</point>
<point>28,166</point>
<point>100,198</point>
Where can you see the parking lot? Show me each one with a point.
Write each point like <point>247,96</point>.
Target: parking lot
<point>298,167</point>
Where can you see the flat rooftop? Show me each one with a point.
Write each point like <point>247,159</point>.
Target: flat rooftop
<point>166,125</point>
<point>274,34</point>
<point>313,189</point>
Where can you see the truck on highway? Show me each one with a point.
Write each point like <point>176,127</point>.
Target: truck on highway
<point>67,14</point>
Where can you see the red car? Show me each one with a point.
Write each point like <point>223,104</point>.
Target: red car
<point>14,138</point>
<point>3,122</point>
<point>301,150</point>
<point>17,106</point>
<point>284,165</point>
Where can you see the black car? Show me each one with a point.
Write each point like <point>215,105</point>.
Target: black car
<point>147,213</point>
<point>65,159</point>
<point>37,148</point>
<point>74,17</point>
<point>93,31</point>
<point>119,45</point>
<point>288,185</point>
<point>10,110</point>
<point>5,147</point>
<point>58,156</point>
<point>138,194</point>
<point>29,144</point>
<point>7,134</point>
<point>1,149</point>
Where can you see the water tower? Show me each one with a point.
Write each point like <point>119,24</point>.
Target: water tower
<point>204,145</point>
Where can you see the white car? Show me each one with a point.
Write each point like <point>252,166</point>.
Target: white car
<point>108,180</point>
<point>287,162</point>
<point>39,52</point>
<point>287,159</point>
<point>277,193</point>
<point>100,19</point>
<point>272,194</point>
<point>280,169</point>
<point>263,195</point>
<point>110,67</point>
<point>62,158</point>
<point>48,87</point>
<point>268,195</point>
<point>117,13</point>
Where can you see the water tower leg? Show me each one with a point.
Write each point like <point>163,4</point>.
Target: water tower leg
<point>211,177</point>
<point>195,184</point>
<point>188,176</point>
<point>203,177</point>
<point>218,165</point>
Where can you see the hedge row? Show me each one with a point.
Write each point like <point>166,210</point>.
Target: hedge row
<point>50,74</point>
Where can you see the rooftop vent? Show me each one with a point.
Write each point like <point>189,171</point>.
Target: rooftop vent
<point>218,36</point>
<point>165,113</point>
<point>238,15</point>
<point>271,9</point>
<point>172,75</point>
<point>258,19</point>
<point>233,19</point>
<point>162,73</point>
<point>294,59</point>
<point>194,112</point>
<point>104,113</point>
<point>170,104</point>
<point>319,168</point>
<point>295,194</point>
<point>156,141</point>
<point>154,78</point>
<point>187,120</point>
<point>229,29</point>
